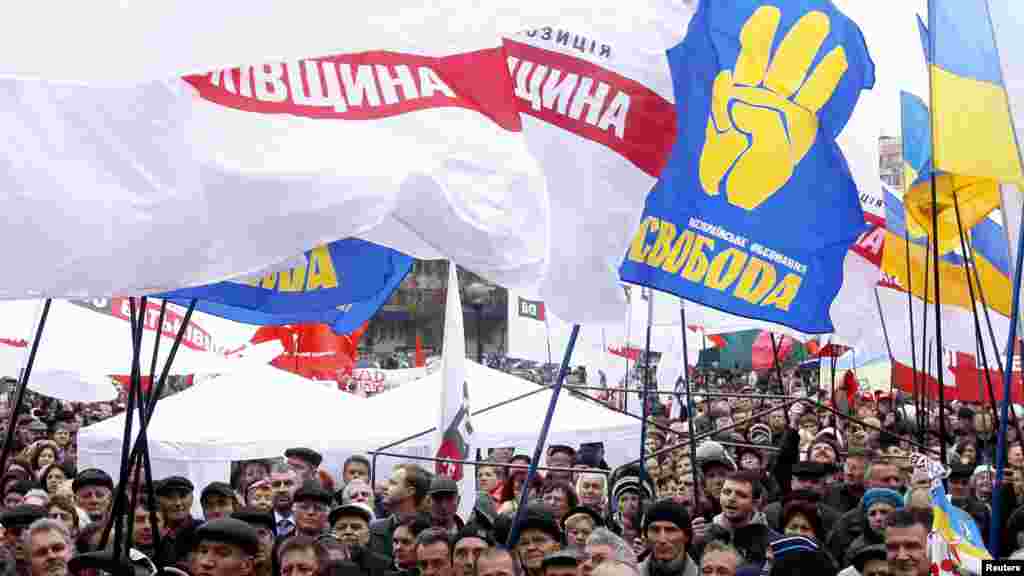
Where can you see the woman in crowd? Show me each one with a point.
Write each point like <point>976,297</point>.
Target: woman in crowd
<point>801,518</point>
<point>63,510</point>
<point>559,497</point>
<point>877,503</point>
<point>512,489</point>
<point>54,475</point>
<point>44,454</point>
<point>489,480</point>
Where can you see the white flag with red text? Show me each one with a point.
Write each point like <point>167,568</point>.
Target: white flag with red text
<point>526,158</point>
<point>454,434</point>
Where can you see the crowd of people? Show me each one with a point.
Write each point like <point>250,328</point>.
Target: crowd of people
<point>768,486</point>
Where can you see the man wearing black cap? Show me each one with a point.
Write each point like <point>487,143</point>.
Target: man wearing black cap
<point>350,525</point>
<point>808,484</point>
<point>304,461</point>
<point>407,488</point>
<point>15,521</point>
<point>667,531</point>
<point>311,506</point>
<point>560,456</point>
<point>961,496</point>
<point>218,500</point>
<point>444,503</point>
<point>561,563</point>
<point>263,523</point>
<point>174,494</point>
<point>467,546</point>
<point>868,561</point>
<point>93,488</point>
<point>225,547</point>
<point>539,537</point>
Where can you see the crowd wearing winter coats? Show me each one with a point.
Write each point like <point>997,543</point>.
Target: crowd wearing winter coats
<point>781,477</point>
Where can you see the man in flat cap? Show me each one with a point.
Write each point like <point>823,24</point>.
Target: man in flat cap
<point>444,503</point>
<point>350,525</point>
<point>218,500</point>
<point>304,461</point>
<point>539,537</point>
<point>311,505</point>
<point>225,547</point>
<point>808,484</point>
<point>93,489</point>
<point>174,495</point>
<point>15,521</point>
<point>961,496</point>
<point>467,546</point>
<point>561,563</point>
<point>263,522</point>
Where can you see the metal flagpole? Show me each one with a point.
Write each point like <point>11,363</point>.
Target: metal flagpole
<point>646,382</point>
<point>1011,348</point>
<point>979,339</point>
<point>19,395</point>
<point>691,409</point>
<point>513,536</point>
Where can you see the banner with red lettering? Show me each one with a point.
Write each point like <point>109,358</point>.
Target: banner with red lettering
<point>525,157</point>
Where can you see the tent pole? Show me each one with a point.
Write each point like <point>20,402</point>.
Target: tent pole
<point>19,396</point>
<point>513,536</point>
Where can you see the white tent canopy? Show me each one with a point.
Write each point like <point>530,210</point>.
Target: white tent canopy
<point>413,407</point>
<point>78,339</point>
<point>257,412</point>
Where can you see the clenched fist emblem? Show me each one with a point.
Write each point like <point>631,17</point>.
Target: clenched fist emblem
<point>764,114</point>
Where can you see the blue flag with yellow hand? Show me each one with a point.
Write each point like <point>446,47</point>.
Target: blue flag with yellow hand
<point>756,209</point>
<point>343,284</point>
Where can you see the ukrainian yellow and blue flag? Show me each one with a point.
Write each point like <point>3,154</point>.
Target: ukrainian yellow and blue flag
<point>976,197</point>
<point>972,122</point>
<point>909,219</point>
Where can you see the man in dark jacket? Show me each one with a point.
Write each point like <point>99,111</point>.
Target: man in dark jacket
<point>882,473</point>
<point>407,488</point>
<point>809,485</point>
<point>741,523</point>
<point>846,496</point>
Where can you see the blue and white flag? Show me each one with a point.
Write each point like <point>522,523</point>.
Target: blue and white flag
<point>756,209</point>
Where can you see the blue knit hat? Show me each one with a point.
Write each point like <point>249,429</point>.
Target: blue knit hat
<point>886,495</point>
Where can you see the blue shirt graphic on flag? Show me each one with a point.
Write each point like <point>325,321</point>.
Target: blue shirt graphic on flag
<point>756,209</point>
<point>343,284</point>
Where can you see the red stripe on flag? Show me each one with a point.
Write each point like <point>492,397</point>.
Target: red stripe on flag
<point>368,85</point>
<point>595,103</point>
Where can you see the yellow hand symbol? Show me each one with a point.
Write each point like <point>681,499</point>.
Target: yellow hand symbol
<point>764,115</point>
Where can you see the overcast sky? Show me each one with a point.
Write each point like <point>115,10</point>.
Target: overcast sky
<point>890,28</point>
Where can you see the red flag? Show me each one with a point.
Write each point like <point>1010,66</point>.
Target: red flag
<point>421,357</point>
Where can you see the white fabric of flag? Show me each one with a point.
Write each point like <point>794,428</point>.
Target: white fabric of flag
<point>524,156</point>
<point>454,436</point>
